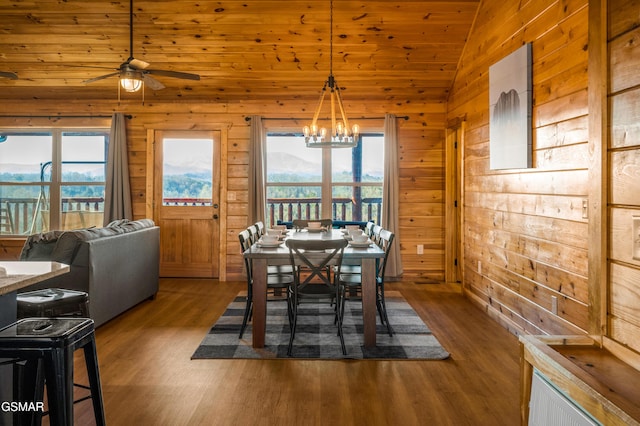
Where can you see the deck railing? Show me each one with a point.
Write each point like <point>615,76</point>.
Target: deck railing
<point>343,209</point>
<point>22,216</point>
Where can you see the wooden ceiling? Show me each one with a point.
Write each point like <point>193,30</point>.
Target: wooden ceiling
<point>251,49</point>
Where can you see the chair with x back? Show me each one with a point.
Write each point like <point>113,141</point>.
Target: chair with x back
<point>352,283</point>
<point>276,283</point>
<point>368,228</point>
<point>311,259</point>
<point>259,225</point>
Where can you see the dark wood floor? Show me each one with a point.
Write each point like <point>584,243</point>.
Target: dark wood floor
<point>149,379</point>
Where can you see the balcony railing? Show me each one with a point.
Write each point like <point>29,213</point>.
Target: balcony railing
<point>22,216</point>
<point>344,209</point>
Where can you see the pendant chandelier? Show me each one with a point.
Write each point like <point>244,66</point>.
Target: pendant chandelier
<point>341,136</point>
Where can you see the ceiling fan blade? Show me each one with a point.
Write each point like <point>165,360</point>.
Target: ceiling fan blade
<point>9,75</point>
<point>152,83</point>
<point>174,74</point>
<point>138,64</point>
<point>102,77</point>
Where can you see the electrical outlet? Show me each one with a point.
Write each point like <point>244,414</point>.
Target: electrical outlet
<point>585,209</point>
<point>554,305</point>
<point>636,237</point>
<point>420,249</point>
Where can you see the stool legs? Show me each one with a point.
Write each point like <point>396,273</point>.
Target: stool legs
<point>91,360</point>
<point>59,376</point>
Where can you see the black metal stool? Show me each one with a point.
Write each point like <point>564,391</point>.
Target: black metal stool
<point>52,342</point>
<point>53,302</point>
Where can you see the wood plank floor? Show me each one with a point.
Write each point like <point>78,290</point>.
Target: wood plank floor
<point>149,379</point>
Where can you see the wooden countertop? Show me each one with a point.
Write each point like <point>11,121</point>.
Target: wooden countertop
<point>17,275</point>
<point>603,380</point>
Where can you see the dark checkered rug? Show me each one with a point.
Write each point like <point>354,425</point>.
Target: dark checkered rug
<point>316,334</point>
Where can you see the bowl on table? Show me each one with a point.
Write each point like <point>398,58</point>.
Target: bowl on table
<point>355,232</point>
<point>269,239</point>
<point>360,239</point>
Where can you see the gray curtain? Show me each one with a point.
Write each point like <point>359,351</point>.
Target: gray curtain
<point>117,197</point>
<point>257,198</point>
<point>391,194</point>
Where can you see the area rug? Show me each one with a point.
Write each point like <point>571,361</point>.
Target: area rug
<point>316,334</point>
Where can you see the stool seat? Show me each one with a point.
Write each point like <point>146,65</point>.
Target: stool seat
<point>52,342</point>
<point>53,302</point>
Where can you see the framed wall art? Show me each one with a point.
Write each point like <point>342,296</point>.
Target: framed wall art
<point>510,102</point>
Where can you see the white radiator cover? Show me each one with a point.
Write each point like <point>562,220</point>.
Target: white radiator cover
<point>549,406</point>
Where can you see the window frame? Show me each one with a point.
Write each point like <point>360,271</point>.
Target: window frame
<point>56,184</point>
<point>327,184</point>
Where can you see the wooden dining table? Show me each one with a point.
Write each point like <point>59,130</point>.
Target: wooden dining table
<point>262,257</point>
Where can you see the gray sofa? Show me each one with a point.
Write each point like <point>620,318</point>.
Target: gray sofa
<point>116,265</point>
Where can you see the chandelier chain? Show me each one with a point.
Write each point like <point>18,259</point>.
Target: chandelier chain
<point>331,38</point>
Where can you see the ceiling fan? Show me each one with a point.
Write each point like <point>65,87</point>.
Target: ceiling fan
<point>9,75</point>
<point>134,73</point>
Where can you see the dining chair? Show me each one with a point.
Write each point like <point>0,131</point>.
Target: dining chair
<point>277,283</point>
<point>259,225</point>
<point>375,234</point>
<point>253,234</point>
<point>351,284</point>
<point>299,224</point>
<point>313,285</point>
<point>368,229</point>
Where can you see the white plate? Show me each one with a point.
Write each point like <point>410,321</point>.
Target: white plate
<point>360,245</point>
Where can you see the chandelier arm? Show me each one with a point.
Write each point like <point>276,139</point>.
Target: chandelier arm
<point>333,113</point>
<point>347,129</point>
<point>320,101</point>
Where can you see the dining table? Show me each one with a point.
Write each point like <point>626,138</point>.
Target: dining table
<point>264,255</point>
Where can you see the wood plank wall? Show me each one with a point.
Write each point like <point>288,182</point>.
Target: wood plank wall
<point>624,173</point>
<point>421,163</point>
<point>526,240</point>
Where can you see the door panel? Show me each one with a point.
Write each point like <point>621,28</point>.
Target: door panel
<point>186,197</point>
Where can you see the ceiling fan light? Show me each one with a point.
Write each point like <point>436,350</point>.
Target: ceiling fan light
<point>131,83</point>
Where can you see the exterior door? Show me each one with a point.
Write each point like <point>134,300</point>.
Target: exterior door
<point>186,202</point>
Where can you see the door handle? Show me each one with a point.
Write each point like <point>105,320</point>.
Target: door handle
<point>215,216</point>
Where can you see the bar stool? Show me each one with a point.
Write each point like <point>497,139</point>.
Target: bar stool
<point>53,302</point>
<point>51,342</point>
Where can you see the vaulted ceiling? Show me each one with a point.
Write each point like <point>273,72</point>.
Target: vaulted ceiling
<point>251,49</point>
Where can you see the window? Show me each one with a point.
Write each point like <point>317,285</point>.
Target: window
<point>187,171</point>
<point>311,183</point>
<point>51,179</point>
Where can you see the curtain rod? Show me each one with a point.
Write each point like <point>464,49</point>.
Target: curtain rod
<point>129,116</point>
<point>405,117</point>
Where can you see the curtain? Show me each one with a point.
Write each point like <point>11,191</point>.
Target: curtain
<point>391,194</point>
<point>117,197</point>
<point>257,198</point>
